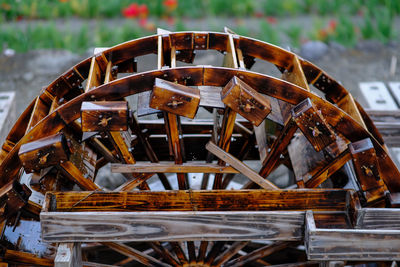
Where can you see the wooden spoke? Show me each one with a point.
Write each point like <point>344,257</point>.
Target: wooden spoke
<point>229,253</point>
<point>258,254</point>
<point>133,253</point>
<point>215,250</point>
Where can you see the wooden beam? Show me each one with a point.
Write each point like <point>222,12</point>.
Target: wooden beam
<point>194,167</point>
<point>171,226</point>
<point>240,166</point>
<point>198,200</point>
<point>68,255</point>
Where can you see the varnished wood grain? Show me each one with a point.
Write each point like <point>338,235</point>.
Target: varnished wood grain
<point>171,226</point>
<point>172,168</point>
<point>221,200</point>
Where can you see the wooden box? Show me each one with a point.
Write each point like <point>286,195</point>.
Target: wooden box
<point>175,98</point>
<point>313,125</point>
<point>44,152</point>
<point>367,168</point>
<point>246,101</point>
<point>104,116</point>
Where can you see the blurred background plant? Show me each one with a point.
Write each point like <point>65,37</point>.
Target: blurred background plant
<point>80,24</point>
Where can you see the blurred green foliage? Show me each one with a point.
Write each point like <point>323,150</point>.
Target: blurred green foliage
<point>46,9</point>
<point>342,21</point>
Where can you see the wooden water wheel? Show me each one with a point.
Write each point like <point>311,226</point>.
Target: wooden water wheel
<point>337,206</point>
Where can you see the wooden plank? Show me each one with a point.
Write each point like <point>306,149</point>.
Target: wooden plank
<point>94,78</point>
<point>394,88</point>
<point>295,74</point>
<point>40,110</point>
<point>68,255</point>
<point>199,200</point>
<point>377,96</point>
<point>171,226</point>
<point>378,218</point>
<point>261,139</point>
<point>350,244</point>
<point>230,59</point>
<point>193,167</point>
<point>348,104</point>
<point>240,166</point>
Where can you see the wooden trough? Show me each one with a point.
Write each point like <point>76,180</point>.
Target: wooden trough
<point>236,129</point>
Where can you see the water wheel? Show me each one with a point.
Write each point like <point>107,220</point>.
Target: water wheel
<point>220,166</point>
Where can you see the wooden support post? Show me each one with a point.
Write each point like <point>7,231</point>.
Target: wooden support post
<point>68,255</point>
<point>228,123</point>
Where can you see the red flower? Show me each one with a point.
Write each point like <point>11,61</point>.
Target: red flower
<point>143,10</point>
<point>272,20</point>
<point>171,21</point>
<point>332,24</point>
<point>143,22</point>
<point>134,10</point>
<point>170,4</point>
<point>258,14</point>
